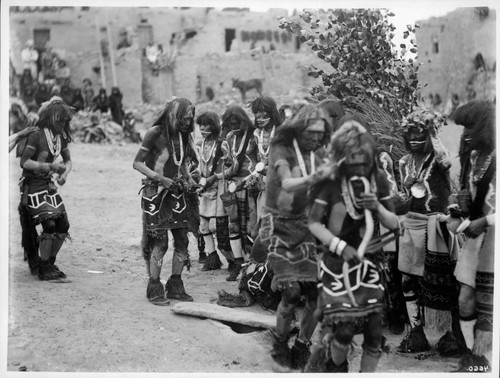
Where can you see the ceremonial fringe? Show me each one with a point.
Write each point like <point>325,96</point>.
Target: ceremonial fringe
<point>155,289</point>
<point>212,262</point>
<point>439,320</point>
<point>483,343</point>
<point>233,300</point>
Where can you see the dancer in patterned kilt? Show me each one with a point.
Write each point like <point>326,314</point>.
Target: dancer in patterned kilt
<point>243,152</point>
<point>291,247</point>
<point>267,121</point>
<point>214,154</point>
<point>476,204</point>
<point>40,201</point>
<point>425,259</point>
<point>168,198</point>
<point>351,291</point>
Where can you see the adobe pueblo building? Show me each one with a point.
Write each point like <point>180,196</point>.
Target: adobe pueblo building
<point>164,52</point>
<point>459,55</point>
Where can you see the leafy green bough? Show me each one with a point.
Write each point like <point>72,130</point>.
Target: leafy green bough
<point>367,73</point>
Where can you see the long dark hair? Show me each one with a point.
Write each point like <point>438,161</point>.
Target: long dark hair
<point>171,115</point>
<point>333,110</point>
<point>267,104</point>
<point>239,113</point>
<point>55,110</point>
<point>211,119</point>
<point>478,117</point>
<point>245,124</point>
<point>294,126</point>
<point>169,120</point>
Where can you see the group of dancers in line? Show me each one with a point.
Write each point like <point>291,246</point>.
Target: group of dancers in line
<point>311,205</point>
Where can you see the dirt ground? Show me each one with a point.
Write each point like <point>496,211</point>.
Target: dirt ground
<point>102,322</point>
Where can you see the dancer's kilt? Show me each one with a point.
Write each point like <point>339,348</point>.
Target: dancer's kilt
<point>166,210</point>
<point>366,283</point>
<point>40,197</point>
<point>292,248</point>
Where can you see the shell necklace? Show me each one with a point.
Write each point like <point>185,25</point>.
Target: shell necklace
<point>174,155</point>
<point>236,154</point>
<point>54,142</point>
<point>261,141</point>
<point>206,160</point>
<point>300,159</point>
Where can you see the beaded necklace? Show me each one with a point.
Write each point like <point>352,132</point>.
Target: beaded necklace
<point>300,159</point>
<point>206,160</point>
<point>174,155</point>
<point>236,154</point>
<point>54,142</point>
<point>261,141</point>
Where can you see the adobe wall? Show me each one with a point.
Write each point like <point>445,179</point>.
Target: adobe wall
<point>74,37</point>
<point>460,36</point>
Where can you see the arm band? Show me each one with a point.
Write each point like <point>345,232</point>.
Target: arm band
<point>337,246</point>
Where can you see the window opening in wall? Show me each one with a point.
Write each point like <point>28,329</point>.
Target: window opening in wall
<point>479,62</point>
<point>442,28</point>
<point>40,38</point>
<point>190,34</point>
<point>230,35</point>
<point>435,45</point>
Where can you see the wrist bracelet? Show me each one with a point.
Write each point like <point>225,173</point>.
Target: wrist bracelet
<point>337,246</point>
<point>333,244</point>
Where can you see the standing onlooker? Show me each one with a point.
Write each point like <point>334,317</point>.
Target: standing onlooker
<point>116,106</point>
<point>29,57</point>
<point>476,202</point>
<point>63,72</point>
<point>88,94</point>
<point>26,81</point>
<point>47,61</point>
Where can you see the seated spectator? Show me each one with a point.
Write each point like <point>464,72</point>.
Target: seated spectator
<point>100,102</point>
<point>77,102</point>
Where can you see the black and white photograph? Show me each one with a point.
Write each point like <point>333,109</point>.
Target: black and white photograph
<point>198,188</point>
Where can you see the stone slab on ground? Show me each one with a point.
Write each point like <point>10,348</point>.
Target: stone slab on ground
<point>234,315</point>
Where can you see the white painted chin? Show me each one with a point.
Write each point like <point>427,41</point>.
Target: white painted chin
<point>416,144</point>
